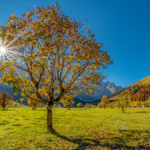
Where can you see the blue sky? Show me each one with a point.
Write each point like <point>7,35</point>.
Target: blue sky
<point>122,25</point>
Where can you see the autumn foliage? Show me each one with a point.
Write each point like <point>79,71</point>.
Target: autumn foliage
<point>104,102</point>
<point>5,99</point>
<point>136,95</point>
<point>67,101</point>
<point>79,105</point>
<point>55,55</point>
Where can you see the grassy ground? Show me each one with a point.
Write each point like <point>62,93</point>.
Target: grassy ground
<point>82,129</point>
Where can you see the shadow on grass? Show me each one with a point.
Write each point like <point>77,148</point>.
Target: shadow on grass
<point>142,112</point>
<point>84,143</point>
<point>6,110</point>
<point>42,109</point>
<point>4,122</point>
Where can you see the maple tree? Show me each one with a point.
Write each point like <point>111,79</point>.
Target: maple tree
<point>5,99</point>
<point>104,102</point>
<point>67,100</point>
<point>55,55</point>
<point>89,106</point>
<point>124,102</point>
<point>32,101</point>
<point>79,105</point>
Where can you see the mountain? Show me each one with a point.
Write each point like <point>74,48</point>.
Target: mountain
<point>106,88</point>
<point>76,101</point>
<point>139,91</point>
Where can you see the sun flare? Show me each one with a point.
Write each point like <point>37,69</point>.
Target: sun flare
<point>3,50</point>
<point>7,51</point>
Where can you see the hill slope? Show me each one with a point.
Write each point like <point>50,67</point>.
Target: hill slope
<point>139,91</point>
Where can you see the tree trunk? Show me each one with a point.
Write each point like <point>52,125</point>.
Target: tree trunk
<point>33,108</point>
<point>3,105</point>
<point>123,110</point>
<point>68,107</point>
<point>49,117</point>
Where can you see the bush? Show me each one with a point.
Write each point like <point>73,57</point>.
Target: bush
<point>89,106</point>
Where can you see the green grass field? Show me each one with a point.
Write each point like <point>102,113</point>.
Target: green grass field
<point>82,129</point>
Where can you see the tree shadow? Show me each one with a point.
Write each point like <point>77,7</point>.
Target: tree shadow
<point>84,143</point>
<point>41,109</point>
<point>142,112</point>
<point>6,110</point>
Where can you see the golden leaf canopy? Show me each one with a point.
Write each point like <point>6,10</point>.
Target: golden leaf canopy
<point>54,55</point>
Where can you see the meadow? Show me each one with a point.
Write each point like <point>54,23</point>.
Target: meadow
<point>75,129</point>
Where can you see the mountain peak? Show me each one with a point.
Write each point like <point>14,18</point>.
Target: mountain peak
<point>107,88</point>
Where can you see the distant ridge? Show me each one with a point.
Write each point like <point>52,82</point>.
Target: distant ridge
<point>106,88</point>
<point>139,91</point>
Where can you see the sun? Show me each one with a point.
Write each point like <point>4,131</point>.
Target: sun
<point>7,50</point>
<point>3,50</point>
